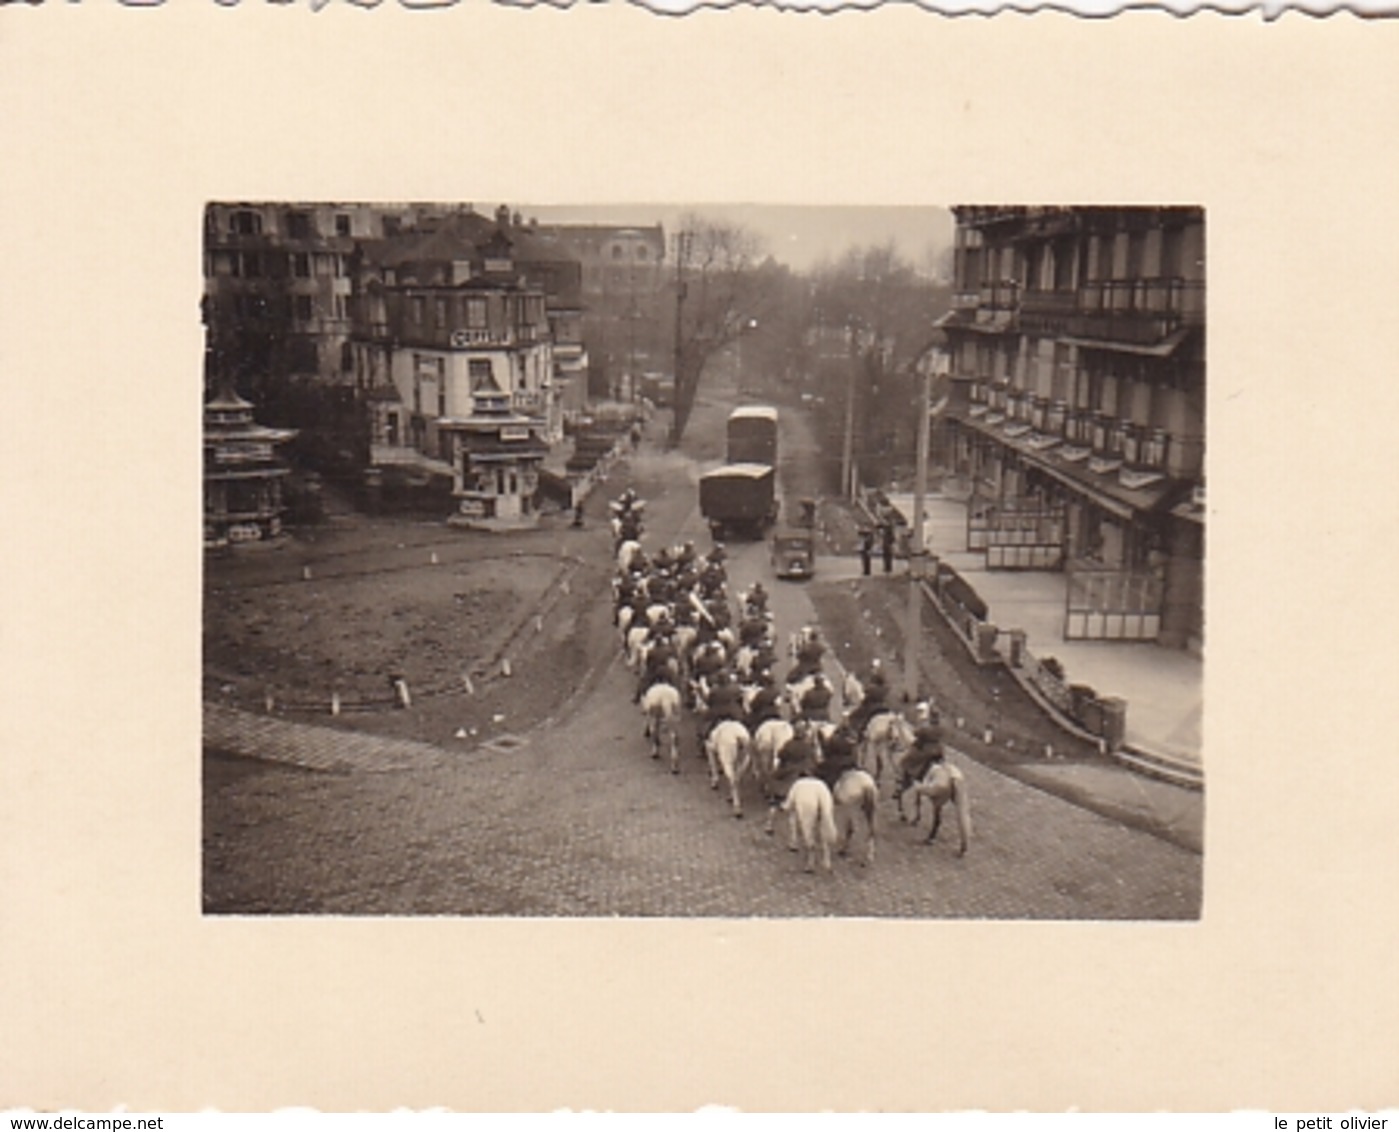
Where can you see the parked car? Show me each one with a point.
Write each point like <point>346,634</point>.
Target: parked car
<point>793,552</point>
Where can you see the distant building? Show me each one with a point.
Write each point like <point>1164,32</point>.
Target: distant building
<point>243,474</point>
<point>1077,357</point>
<point>624,296</point>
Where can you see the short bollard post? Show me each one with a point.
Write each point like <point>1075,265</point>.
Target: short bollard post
<point>400,687</point>
<point>334,703</point>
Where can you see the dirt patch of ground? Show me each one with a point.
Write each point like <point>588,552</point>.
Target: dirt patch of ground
<point>491,633</point>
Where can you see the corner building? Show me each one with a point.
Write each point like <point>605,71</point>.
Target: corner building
<point>1076,416</point>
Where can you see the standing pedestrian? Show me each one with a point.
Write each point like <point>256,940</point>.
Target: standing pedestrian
<point>886,539</point>
<point>866,549</point>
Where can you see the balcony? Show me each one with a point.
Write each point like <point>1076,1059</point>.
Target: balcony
<point>1049,302</point>
<point>1004,296</point>
<point>966,300</point>
<point>1179,300</point>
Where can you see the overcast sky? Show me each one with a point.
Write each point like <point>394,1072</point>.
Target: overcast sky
<point>797,235</point>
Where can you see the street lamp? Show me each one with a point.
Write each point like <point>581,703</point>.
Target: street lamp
<point>744,327</point>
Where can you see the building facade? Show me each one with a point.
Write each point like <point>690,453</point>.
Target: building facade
<point>277,289</point>
<point>1076,350</point>
<point>624,299</point>
<point>452,347</point>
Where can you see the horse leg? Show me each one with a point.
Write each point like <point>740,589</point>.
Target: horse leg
<point>826,831</point>
<point>937,819</point>
<point>674,739</point>
<point>868,804</point>
<point>964,819</point>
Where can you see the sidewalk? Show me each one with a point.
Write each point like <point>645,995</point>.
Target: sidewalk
<point>1163,687</point>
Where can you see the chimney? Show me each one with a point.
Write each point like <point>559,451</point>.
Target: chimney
<point>502,215</point>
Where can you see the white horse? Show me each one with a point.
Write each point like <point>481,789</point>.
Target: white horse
<point>852,692</point>
<point>811,814</point>
<point>940,783</point>
<point>660,703</point>
<point>806,635</point>
<point>768,740</point>
<point>627,554</point>
<point>888,736</point>
<point>637,637</point>
<point>856,793</point>
<point>729,751</point>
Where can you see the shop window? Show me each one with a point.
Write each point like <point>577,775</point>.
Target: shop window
<point>482,376</point>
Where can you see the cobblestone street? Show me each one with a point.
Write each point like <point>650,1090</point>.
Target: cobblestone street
<point>577,820</point>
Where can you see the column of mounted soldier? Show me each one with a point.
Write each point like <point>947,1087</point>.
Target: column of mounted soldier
<point>691,649</point>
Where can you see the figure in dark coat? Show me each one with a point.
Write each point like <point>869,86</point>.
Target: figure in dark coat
<point>816,700</point>
<point>837,756</point>
<point>796,759</point>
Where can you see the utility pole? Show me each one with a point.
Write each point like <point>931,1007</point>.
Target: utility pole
<point>917,550</point>
<point>678,421</point>
<point>847,449</point>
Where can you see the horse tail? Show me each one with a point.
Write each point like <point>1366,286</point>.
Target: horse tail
<point>867,805</point>
<point>825,814</point>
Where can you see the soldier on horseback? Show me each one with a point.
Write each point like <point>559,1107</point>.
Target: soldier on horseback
<point>837,756</point>
<point>725,701</point>
<point>796,759</point>
<point>875,699</point>
<point>766,701</point>
<point>661,661</point>
<point>815,703</point>
<point>926,751</point>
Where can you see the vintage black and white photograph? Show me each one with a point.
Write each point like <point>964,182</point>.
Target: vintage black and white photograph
<point>703,560</point>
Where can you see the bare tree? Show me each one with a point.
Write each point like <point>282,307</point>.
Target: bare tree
<point>718,293</point>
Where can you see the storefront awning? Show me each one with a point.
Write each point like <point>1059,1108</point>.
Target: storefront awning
<point>1103,488</point>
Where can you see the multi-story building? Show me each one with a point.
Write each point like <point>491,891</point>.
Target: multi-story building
<point>623,298</point>
<point>452,347</point>
<point>277,287</point>
<point>1077,354</point>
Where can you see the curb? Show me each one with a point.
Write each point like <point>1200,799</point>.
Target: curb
<point>1154,764</point>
